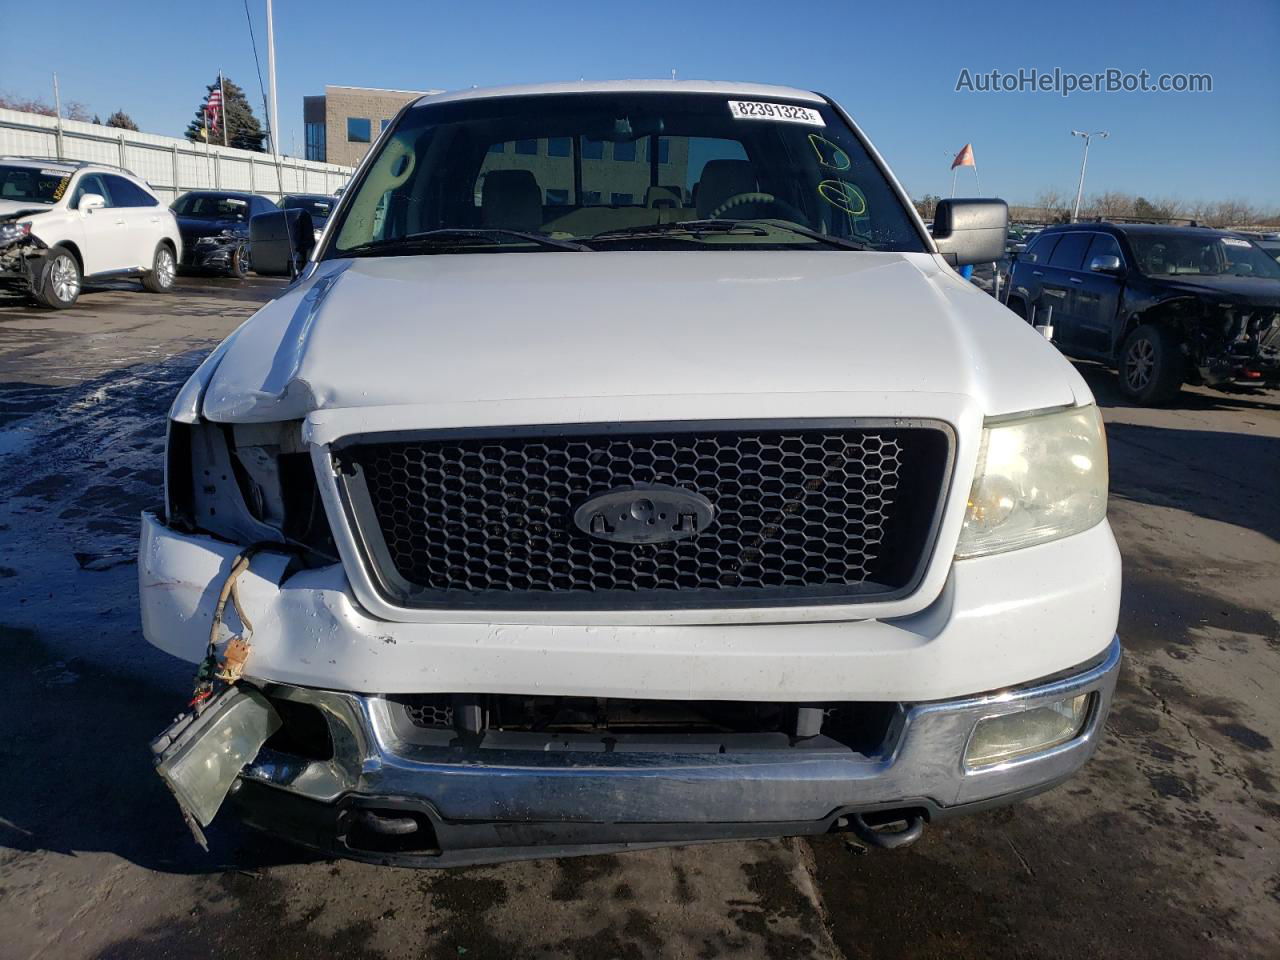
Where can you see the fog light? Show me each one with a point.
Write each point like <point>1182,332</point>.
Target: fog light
<point>998,739</point>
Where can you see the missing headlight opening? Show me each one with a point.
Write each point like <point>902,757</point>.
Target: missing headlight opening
<point>247,483</point>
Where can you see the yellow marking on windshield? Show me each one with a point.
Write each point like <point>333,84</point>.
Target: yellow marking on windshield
<point>829,154</point>
<point>844,196</point>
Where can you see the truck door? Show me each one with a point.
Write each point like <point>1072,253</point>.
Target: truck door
<point>1097,296</point>
<point>143,218</point>
<point>105,244</point>
<point>1062,279</point>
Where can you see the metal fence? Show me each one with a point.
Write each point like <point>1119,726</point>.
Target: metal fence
<point>169,164</point>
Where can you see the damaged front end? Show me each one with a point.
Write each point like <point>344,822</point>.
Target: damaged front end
<point>21,253</point>
<point>203,751</point>
<point>226,252</point>
<point>272,507</point>
<point>1233,343</point>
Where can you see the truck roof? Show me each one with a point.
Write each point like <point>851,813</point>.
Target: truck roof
<point>728,89</point>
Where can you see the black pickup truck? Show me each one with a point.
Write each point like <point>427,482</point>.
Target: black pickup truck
<point>1163,305</point>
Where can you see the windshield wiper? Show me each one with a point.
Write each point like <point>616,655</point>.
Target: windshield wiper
<point>818,235</point>
<point>694,228</point>
<point>454,237</point>
<point>754,228</point>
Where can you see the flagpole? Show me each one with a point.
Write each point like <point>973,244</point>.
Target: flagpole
<point>954,171</point>
<point>977,177</point>
<point>208,174</point>
<point>222,96</point>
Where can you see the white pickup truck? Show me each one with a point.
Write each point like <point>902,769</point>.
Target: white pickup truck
<point>629,466</point>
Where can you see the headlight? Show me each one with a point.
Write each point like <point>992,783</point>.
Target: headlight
<point>1038,479</point>
<point>13,232</point>
<point>205,241</point>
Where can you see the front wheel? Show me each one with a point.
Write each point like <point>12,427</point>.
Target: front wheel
<point>59,285</point>
<point>1151,365</point>
<point>164,270</point>
<point>240,262</point>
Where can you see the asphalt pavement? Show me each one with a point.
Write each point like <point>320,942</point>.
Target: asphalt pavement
<point>1167,846</point>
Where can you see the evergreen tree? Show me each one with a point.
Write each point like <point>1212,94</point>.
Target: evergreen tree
<point>243,129</point>
<point>122,120</point>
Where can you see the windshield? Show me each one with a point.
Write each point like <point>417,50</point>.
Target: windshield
<point>318,207</point>
<point>33,184</point>
<point>1212,256</point>
<point>210,206</point>
<point>622,171</point>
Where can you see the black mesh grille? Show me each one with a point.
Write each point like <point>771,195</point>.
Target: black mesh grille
<point>800,513</point>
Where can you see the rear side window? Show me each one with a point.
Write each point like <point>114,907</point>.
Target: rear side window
<point>1042,248</point>
<point>1069,253</point>
<point>126,193</point>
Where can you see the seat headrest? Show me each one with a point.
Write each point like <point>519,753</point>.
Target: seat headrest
<point>661,197</point>
<point>511,199</point>
<point>722,179</point>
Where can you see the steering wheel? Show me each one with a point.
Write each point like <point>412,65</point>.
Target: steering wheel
<point>742,199</point>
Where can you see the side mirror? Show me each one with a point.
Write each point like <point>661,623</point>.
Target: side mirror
<point>971,231</point>
<point>1107,264</point>
<point>280,242</point>
<point>90,202</point>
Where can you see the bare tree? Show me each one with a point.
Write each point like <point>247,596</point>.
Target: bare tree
<point>927,204</point>
<point>1052,204</point>
<point>71,110</point>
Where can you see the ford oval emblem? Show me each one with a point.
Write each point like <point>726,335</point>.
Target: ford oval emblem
<point>647,513</point>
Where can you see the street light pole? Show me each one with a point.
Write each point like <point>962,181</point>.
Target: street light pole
<point>1100,134</point>
<point>272,119</point>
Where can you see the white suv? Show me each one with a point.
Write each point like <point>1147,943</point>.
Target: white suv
<point>64,221</point>
<point>629,466</point>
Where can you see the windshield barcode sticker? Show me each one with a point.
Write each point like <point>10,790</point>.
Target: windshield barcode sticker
<point>787,113</point>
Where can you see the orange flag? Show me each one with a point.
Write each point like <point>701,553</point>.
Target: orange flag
<point>964,158</point>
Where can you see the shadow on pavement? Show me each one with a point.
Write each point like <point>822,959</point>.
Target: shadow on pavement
<point>81,692</point>
<point>78,771</point>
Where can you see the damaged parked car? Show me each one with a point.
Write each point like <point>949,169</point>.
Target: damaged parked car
<point>1163,305</point>
<point>62,222</point>
<point>215,229</point>
<point>629,466</point>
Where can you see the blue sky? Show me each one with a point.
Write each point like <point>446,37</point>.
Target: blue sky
<point>894,66</point>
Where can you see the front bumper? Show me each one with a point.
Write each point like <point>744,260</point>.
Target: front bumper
<point>505,796</point>
<point>999,621</point>
<point>211,256</point>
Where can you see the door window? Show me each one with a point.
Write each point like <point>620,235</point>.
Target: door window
<point>1103,245</point>
<point>1069,253</point>
<point>91,183</point>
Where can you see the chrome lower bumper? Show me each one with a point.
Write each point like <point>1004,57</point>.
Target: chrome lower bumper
<point>507,796</point>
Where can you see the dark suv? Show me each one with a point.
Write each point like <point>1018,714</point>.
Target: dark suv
<point>1164,305</point>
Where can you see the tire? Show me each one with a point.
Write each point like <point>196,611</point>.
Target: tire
<point>240,262</point>
<point>164,270</point>
<point>1152,365</point>
<point>60,279</point>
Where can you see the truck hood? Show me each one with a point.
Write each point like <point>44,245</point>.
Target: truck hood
<point>1251,291</point>
<point>460,328</point>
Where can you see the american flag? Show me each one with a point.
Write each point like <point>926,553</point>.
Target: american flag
<point>214,109</point>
